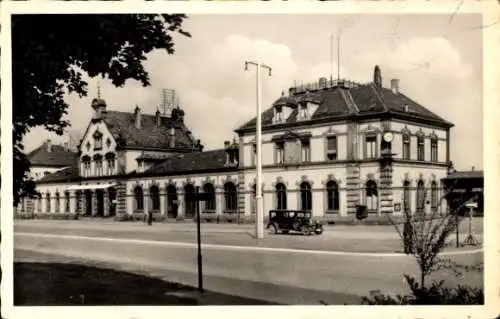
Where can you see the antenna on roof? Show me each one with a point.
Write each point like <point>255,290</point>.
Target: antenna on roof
<point>338,57</point>
<point>331,58</point>
<point>169,100</point>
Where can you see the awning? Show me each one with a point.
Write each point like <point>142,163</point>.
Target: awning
<point>91,186</point>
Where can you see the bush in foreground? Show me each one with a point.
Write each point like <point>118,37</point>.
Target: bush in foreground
<point>435,294</point>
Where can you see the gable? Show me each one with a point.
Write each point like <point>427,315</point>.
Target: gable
<point>94,130</point>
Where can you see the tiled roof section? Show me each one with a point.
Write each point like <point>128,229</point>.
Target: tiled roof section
<point>196,161</point>
<point>396,102</point>
<point>63,175</point>
<point>58,156</point>
<point>465,174</point>
<point>357,100</point>
<point>153,157</point>
<point>149,136</point>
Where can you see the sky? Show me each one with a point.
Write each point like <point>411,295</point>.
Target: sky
<point>437,58</point>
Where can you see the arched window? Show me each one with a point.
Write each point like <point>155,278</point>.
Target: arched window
<point>371,192</point>
<point>230,197</point>
<point>281,196</point>
<point>406,197</point>
<point>154,194</point>
<point>48,209</point>
<point>420,196</point>
<point>209,204</point>
<point>406,146</point>
<point>434,195</point>
<point>305,196</point>
<point>66,202</point>
<point>78,202</point>
<point>172,205</point>
<point>332,195</point>
<point>190,205</point>
<point>39,204</point>
<point>139,198</point>
<point>58,203</point>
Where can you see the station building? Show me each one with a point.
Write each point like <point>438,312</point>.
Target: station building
<point>327,147</point>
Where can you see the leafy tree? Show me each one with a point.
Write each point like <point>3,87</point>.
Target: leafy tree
<point>50,53</point>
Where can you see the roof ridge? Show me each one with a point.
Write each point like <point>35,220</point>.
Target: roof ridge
<point>352,108</point>
<point>379,98</point>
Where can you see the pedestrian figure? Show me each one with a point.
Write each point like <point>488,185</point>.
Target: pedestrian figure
<point>408,237</point>
<point>150,218</point>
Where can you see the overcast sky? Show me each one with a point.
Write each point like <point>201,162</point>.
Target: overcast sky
<point>439,65</point>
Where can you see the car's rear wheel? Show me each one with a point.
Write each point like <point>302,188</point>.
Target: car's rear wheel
<point>272,230</point>
<point>305,230</point>
<point>318,231</point>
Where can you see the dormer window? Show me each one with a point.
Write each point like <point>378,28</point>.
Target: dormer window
<point>97,140</point>
<point>87,146</point>
<point>278,114</point>
<point>108,142</point>
<point>303,112</point>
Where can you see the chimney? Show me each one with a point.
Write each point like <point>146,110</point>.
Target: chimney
<point>48,143</point>
<point>137,113</point>
<point>395,86</point>
<point>158,118</point>
<point>66,146</point>
<point>226,144</point>
<point>473,168</point>
<point>406,108</point>
<point>172,137</point>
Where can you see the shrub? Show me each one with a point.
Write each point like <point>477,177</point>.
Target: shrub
<point>436,294</point>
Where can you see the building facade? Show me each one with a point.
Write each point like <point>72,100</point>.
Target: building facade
<point>328,147</point>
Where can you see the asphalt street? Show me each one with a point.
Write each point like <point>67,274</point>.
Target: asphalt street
<point>287,269</point>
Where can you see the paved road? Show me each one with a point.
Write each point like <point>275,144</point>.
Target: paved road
<point>258,271</point>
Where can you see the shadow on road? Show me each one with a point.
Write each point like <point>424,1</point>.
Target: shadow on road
<point>66,284</point>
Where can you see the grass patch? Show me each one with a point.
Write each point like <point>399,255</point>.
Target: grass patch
<point>66,284</point>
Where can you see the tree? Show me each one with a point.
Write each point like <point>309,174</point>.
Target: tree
<point>50,53</point>
<point>424,236</point>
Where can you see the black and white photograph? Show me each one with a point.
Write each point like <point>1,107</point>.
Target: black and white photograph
<point>264,158</point>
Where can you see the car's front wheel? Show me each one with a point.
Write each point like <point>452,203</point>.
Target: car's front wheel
<point>272,230</point>
<point>306,231</point>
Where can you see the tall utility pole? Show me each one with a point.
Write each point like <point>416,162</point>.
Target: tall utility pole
<point>259,220</point>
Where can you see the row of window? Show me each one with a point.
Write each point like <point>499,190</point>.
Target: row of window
<point>302,151</point>
<point>230,198</point>
<point>98,167</point>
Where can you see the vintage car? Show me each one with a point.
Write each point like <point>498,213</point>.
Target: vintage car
<point>286,221</point>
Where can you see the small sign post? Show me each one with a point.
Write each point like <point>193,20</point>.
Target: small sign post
<point>198,197</point>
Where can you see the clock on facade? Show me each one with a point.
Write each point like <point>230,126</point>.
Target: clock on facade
<point>388,137</point>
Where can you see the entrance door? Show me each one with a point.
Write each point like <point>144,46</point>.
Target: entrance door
<point>112,198</point>
<point>172,206</point>
<point>100,202</point>
<point>189,205</point>
<point>88,203</point>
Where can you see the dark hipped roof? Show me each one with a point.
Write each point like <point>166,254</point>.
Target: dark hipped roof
<point>64,175</point>
<point>344,101</point>
<point>58,156</point>
<point>196,161</point>
<point>149,136</point>
<point>465,175</point>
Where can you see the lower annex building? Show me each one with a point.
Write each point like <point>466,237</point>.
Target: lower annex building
<point>327,147</point>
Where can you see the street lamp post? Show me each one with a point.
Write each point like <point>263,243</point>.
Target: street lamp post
<point>259,220</point>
